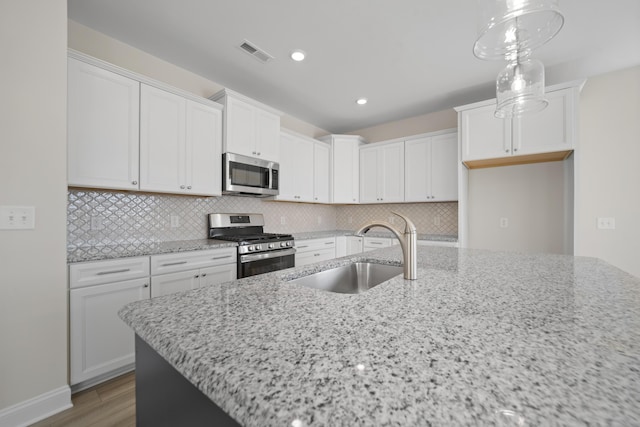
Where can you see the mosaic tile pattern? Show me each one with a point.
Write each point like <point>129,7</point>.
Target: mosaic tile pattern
<point>99,220</point>
<point>429,218</point>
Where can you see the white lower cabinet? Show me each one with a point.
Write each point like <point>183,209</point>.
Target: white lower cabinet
<point>354,245</point>
<point>373,243</point>
<point>183,271</point>
<point>315,250</point>
<point>101,344</point>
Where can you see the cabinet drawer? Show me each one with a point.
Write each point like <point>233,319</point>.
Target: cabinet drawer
<point>315,244</point>
<point>304,258</point>
<point>182,261</point>
<point>99,272</point>
<point>371,243</point>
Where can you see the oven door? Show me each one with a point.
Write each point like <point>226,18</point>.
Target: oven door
<point>252,264</point>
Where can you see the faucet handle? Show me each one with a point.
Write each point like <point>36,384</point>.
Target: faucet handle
<point>409,225</point>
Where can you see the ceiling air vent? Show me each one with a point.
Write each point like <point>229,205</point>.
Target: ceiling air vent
<point>255,51</point>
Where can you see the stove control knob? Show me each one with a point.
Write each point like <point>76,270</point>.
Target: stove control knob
<point>258,247</point>
<point>249,248</point>
<point>283,244</point>
<point>271,246</point>
<point>288,243</point>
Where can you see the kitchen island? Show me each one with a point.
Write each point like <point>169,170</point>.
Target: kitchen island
<point>480,338</point>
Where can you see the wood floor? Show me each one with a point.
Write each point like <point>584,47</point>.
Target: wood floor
<point>112,403</point>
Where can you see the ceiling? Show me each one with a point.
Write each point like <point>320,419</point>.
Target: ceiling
<point>408,57</point>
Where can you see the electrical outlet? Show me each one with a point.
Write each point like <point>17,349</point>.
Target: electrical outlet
<point>607,223</point>
<point>504,222</point>
<point>436,220</point>
<point>17,217</point>
<point>283,220</point>
<point>175,221</point>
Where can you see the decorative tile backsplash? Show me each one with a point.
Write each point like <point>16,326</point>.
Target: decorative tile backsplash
<point>104,218</point>
<point>429,218</point>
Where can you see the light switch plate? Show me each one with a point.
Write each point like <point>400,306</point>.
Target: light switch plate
<point>17,217</point>
<point>606,223</point>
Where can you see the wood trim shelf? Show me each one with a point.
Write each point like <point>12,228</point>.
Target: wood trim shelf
<point>519,160</point>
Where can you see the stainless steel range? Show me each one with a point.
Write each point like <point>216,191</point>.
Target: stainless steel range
<point>258,252</point>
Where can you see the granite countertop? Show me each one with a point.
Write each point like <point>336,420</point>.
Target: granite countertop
<point>101,252</point>
<point>481,338</point>
<point>376,232</point>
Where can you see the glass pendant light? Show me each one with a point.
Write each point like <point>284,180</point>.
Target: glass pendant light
<point>520,87</point>
<point>512,26</point>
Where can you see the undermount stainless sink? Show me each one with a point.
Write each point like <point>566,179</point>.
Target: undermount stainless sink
<point>350,279</point>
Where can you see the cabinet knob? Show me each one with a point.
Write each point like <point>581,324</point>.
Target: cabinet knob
<point>197,275</point>
<point>146,285</point>
<point>134,182</point>
<point>506,151</point>
<point>315,198</point>
<point>258,153</point>
<point>182,187</point>
<point>189,187</point>
<point>204,274</point>
<point>253,152</point>
<point>515,149</point>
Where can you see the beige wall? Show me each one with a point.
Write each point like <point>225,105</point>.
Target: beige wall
<point>33,281</point>
<point>101,46</point>
<point>607,169</point>
<point>531,197</point>
<point>447,119</point>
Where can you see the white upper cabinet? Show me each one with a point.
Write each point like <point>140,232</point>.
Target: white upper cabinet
<point>382,173</point>
<point>250,128</point>
<point>130,132</point>
<point>103,110</point>
<point>544,136</point>
<point>180,147</point>
<point>321,156</point>
<point>296,168</point>
<point>344,168</point>
<point>431,168</point>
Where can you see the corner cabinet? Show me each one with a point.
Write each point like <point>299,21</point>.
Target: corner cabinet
<point>102,123</point>
<point>180,142</point>
<point>304,168</point>
<point>344,168</point>
<point>431,168</point>
<point>129,132</point>
<point>382,173</point>
<point>549,135</point>
<point>250,127</point>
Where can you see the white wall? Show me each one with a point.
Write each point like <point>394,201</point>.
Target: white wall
<point>101,46</point>
<point>608,171</point>
<point>424,123</point>
<point>531,197</point>
<point>33,281</point>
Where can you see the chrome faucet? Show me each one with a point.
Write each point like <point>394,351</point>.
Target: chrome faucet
<point>407,243</point>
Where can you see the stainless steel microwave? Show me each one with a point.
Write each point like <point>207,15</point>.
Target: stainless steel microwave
<point>248,176</point>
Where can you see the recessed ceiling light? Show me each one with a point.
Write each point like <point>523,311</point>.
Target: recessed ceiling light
<point>361,101</point>
<point>298,55</point>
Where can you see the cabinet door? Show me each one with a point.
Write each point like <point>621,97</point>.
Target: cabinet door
<point>417,181</point>
<point>103,128</point>
<point>267,135</point>
<point>354,245</point>
<point>240,130</point>
<point>444,167</point>
<point>162,140</point>
<point>203,150</point>
<point>483,135</point>
<point>100,342</point>
<point>549,130</point>
<point>321,152</point>
<point>304,170</point>
<point>369,175</point>
<point>391,173</point>
<point>288,160</point>
<point>218,274</point>
<point>167,284</point>
<point>345,160</point>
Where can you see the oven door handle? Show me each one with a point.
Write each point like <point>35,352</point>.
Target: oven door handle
<point>266,255</point>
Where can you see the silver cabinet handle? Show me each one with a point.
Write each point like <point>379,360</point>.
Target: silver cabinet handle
<point>188,187</point>
<point>174,263</point>
<point>221,257</point>
<point>330,243</point>
<point>375,243</point>
<point>304,246</point>
<point>134,182</point>
<point>182,187</point>
<point>102,273</point>
<point>258,153</point>
<point>253,152</point>
<point>316,254</point>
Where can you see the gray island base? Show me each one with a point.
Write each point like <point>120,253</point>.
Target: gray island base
<point>481,338</point>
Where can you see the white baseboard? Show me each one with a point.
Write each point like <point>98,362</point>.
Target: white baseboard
<point>37,408</point>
